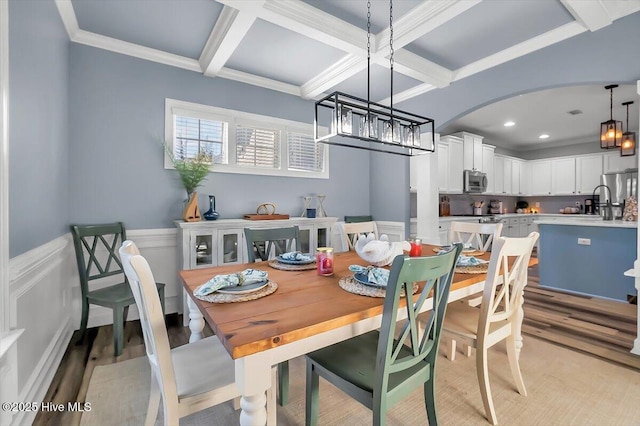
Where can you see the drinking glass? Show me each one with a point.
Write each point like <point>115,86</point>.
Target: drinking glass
<point>416,247</point>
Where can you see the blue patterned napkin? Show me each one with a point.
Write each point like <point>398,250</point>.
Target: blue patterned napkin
<point>248,276</point>
<point>378,276</point>
<point>296,256</point>
<point>470,261</point>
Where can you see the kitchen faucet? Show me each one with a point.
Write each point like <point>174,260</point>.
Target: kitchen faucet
<point>608,210</point>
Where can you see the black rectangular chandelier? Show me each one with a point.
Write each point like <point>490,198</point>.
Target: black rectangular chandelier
<point>368,125</point>
<point>350,121</point>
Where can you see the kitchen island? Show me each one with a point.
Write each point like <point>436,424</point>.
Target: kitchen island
<point>587,256</point>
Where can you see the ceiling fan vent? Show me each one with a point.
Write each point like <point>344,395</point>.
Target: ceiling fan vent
<point>574,112</point>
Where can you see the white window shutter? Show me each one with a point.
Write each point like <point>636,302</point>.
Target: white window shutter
<point>304,153</point>
<point>257,147</point>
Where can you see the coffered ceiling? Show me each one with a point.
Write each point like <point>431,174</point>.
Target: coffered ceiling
<point>312,47</point>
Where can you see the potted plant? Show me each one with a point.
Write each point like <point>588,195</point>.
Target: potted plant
<point>192,171</point>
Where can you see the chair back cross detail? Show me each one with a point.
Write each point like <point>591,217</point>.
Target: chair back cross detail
<point>479,235</point>
<point>276,241</point>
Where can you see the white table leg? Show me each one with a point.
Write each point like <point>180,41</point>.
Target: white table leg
<point>196,323</point>
<point>253,377</point>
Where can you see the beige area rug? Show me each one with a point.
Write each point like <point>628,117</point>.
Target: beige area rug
<point>565,388</point>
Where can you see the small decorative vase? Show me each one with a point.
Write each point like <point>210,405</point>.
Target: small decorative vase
<point>211,214</point>
<point>191,212</point>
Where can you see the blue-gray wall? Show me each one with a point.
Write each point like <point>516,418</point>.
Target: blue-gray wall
<point>570,62</point>
<point>596,269</point>
<point>116,110</point>
<point>38,125</point>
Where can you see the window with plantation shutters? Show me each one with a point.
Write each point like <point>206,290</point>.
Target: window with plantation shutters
<point>194,136</point>
<point>304,153</point>
<point>257,147</point>
<point>240,142</point>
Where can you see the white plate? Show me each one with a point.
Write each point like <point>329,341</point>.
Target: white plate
<point>244,289</point>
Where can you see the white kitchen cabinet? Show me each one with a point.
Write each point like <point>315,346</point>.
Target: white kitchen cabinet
<point>450,167</point>
<point>588,171</point>
<point>518,178</point>
<point>563,176</point>
<point>472,151</point>
<point>524,178</point>
<point>498,165</point>
<point>443,166</point>
<point>488,166</point>
<point>613,162</point>
<point>540,172</point>
<point>507,176</point>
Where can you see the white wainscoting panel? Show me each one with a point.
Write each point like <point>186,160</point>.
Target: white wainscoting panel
<point>39,303</point>
<point>45,301</point>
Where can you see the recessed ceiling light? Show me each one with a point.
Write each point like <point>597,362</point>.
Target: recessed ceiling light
<point>544,136</point>
<point>509,124</point>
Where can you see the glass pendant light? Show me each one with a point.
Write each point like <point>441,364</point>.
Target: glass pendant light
<point>628,146</point>
<point>611,130</point>
<point>360,123</point>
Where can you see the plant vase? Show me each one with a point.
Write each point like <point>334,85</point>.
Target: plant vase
<point>191,212</point>
<point>211,214</point>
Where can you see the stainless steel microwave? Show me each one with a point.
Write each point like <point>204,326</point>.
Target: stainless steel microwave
<point>475,182</point>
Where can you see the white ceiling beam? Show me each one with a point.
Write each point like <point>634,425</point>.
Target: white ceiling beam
<point>415,66</point>
<point>230,28</point>
<point>335,74</point>
<point>539,42</point>
<point>408,94</point>
<point>135,50</point>
<point>421,20</point>
<point>256,80</point>
<point>68,15</point>
<point>304,19</point>
<point>592,14</point>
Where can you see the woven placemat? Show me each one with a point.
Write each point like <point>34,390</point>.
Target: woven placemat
<point>352,286</point>
<point>466,253</point>
<point>287,267</point>
<point>232,298</point>
<point>476,269</point>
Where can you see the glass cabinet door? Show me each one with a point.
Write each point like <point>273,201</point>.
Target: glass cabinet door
<point>306,240</point>
<point>203,249</point>
<point>230,242</point>
<point>323,237</point>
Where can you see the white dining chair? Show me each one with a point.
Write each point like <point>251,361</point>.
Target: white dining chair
<point>479,235</point>
<point>351,232</point>
<point>498,317</point>
<point>188,378</point>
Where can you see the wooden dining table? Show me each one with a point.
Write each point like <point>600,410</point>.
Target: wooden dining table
<point>307,312</point>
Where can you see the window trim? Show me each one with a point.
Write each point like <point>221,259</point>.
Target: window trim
<point>233,118</point>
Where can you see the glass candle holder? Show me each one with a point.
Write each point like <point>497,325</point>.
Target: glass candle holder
<point>324,261</point>
<point>416,247</point>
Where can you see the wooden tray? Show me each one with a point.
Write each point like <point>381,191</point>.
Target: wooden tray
<point>265,216</point>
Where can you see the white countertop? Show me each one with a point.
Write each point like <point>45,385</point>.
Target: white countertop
<point>588,222</point>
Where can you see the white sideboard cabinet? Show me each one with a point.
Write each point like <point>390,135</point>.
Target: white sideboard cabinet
<point>221,242</point>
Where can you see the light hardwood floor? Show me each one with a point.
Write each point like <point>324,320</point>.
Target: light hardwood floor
<point>601,328</point>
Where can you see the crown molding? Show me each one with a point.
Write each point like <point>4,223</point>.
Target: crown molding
<point>230,28</point>
<point>346,67</point>
<point>539,42</point>
<point>592,14</point>
<point>256,80</point>
<point>68,15</point>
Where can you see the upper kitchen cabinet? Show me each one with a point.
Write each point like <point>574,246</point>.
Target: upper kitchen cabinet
<point>416,160</point>
<point>488,166</point>
<point>613,162</point>
<point>540,173</point>
<point>588,171</point>
<point>472,151</point>
<point>503,175</point>
<point>563,176</point>
<point>519,184</point>
<point>450,168</point>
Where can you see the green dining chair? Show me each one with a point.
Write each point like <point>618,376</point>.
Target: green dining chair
<point>264,242</point>
<point>96,248</point>
<point>375,368</point>
<point>357,219</point>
